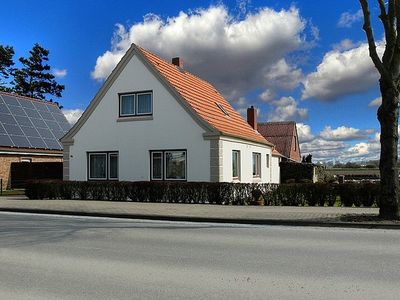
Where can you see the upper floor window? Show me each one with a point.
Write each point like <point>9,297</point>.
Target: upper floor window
<point>135,104</point>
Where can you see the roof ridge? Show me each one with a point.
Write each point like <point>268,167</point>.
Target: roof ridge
<point>27,97</point>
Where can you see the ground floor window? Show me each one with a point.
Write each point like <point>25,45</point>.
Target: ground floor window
<point>256,164</point>
<point>168,164</point>
<point>236,164</point>
<point>103,166</point>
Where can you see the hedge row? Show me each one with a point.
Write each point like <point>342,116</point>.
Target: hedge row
<point>310,194</point>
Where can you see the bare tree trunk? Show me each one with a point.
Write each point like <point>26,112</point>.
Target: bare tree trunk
<point>388,114</point>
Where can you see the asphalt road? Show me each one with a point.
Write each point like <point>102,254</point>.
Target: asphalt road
<point>51,257</point>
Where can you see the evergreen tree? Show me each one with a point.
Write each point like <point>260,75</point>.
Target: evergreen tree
<point>6,67</point>
<point>34,79</point>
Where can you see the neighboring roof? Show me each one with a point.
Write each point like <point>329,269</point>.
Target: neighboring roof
<point>197,96</point>
<point>28,123</point>
<point>279,133</point>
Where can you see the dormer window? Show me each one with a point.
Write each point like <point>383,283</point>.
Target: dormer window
<point>135,104</point>
<point>222,108</point>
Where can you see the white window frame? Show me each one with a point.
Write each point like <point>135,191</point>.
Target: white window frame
<point>152,164</point>
<point>257,157</point>
<point>238,165</point>
<point>89,157</point>
<point>121,114</point>
<point>165,165</point>
<point>109,165</point>
<point>137,104</point>
<point>268,162</point>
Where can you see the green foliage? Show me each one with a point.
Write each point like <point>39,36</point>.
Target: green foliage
<point>223,193</point>
<point>6,67</point>
<point>34,79</point>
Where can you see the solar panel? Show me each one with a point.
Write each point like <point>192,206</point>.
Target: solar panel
<point>30,123</point>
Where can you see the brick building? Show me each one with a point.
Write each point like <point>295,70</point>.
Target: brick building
<point>30,130</point>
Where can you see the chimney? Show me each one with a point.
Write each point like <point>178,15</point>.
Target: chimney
<point>252,117</point>
<point>177,61</point>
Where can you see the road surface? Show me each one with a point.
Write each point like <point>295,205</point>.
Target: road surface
<point>54,257</point>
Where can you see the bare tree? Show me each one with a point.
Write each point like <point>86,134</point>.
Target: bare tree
<point>388,113</point>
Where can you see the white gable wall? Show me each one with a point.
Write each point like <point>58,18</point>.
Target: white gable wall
<point>171,128</point>
<point>276,173</point>
<point>246,161</point>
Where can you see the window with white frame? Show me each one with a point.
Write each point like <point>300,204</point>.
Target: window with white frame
<point>256,164</point>
<point>168,165</point>
<point>135,104</point>
<point>103,166</point>
<point>236,164</point>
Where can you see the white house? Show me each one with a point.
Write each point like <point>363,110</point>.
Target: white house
<point>153,120</point>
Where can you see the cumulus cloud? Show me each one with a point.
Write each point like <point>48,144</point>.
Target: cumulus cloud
<point>342,72</point>
<point>304,133</point>
<point>267,96</point>
<point>60,73</point>
<point>343,133</point>
<point>72,115</point>
<point>347,19</point>
<point>376,102</point>
<point>235,54</point>
<point>345,44</point>
<point>285,109</point>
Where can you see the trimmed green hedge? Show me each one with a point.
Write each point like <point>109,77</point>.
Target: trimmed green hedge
<point>296,194</point>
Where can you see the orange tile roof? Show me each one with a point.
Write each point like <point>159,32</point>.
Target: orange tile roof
<point>202,97</point>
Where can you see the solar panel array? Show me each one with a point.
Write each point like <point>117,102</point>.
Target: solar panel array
<point>29,123</point>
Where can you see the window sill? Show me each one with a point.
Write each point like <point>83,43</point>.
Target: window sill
<point>256,179</point>
<point>134,118</point>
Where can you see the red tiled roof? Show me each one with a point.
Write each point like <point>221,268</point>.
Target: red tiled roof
<point>280,134</point>
<point>202,97</point>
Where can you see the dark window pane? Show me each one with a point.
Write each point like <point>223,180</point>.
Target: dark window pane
<point>175,164</point>
<point>23,121</point>
<point>235,164</point>
<point>113,166</point>
<point>20,141</point>
<point>32,113</point>
<point>26,103</point>
<point>127,105</point>
<point>157,165</point>
<point>37,142</point>
<point>13,129</point>
<point>97,166</point>
<point>39,123</point>
<point>46,115</point>
<point>144,103</point>
<point>7,119</point>
<point>45,133</point>
<point>52,144</point>
<point>30,131</point>
<point>5,140</point>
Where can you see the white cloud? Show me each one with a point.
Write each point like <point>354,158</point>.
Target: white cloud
<point>267,96</point>
<point>342,73</point>
<point>304,133</point>
<point>347,19</point>
<point>376,102</point>
<point>237,55</point>
<point>343,133</point>
<point>286,109</point>
<point>72,115</point>
<point>345,44</point>
<point>60,73</point>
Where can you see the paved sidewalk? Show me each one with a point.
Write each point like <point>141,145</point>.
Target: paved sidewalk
<point>272,215</point>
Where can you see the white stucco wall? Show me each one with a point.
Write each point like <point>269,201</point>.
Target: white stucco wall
<point>246,161</point>
<point>171,128</point>
<point>276,174</point>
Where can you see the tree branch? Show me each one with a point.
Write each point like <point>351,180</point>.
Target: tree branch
<point>371,43</point>
<point>396,54</point>
<point>390,34</point>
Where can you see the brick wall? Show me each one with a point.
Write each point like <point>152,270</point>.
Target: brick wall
<point>6,160</point>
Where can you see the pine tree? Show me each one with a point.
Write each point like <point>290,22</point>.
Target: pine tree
<point>6,67</point>
<point>34,79</point>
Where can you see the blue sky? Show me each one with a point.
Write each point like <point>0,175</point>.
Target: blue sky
<point>294,60</point>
